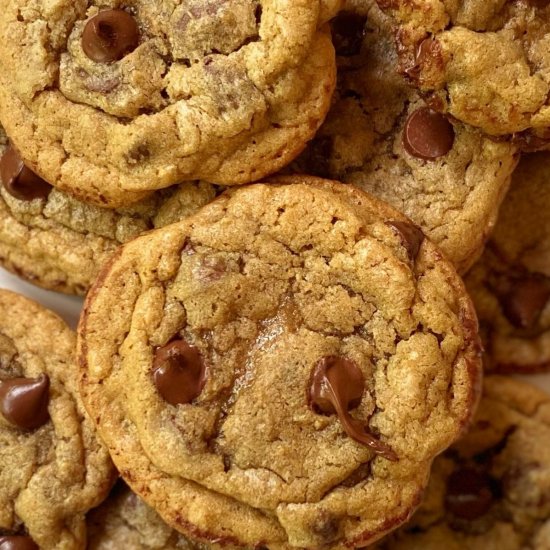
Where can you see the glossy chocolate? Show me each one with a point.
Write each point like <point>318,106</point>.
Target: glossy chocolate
<point>24,401</point>
<point>179,372</point>
<point>20,181</point>
<point>337,385</point>
<point>428,135</point>
<point>110,35</point>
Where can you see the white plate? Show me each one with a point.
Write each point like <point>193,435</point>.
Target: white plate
<point>69,307</point>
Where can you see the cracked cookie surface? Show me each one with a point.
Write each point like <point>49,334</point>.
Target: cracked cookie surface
<point>216,379</point>
<point>52,467</point>
<point>490,491</point>
<point>486,62</point>
<point>454,194</point>
<point>60,243</point>
<point>116,100</point>
<point>510,285</point>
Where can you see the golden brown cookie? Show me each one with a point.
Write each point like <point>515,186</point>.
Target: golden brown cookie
<point>510,285</point>
<point>125,522</point>
<point>485,62</point>
<point>281,368</point>
<point>58,242</point>
<point>52,467</point>
<point>114,100</point>
<point>383,137</point>
<point>491,491</point>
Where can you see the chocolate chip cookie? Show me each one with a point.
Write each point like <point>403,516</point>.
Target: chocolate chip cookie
<point>281,368</point>
<point>510,285</point>
<point>52,467</point>
<point>60,243</point>
<point>117,99</point>
<point>383,137</point>
<point>485,62</point>
<point>491,491</point>
<point>125,522</point>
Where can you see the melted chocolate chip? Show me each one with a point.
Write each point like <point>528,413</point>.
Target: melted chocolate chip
<point>19,181</point>
<point>336,386</point>
<point>17,542</point>
<point>427,49</point>
<point>469,494</point>
<point>110,35</point>
<point>179,372</point>
<point>348,32</point>
<point>526,299</point>
<point>428,134</point>
<point>24,401</point>
<point>412,237</point>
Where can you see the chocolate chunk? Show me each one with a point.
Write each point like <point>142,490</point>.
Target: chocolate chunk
<point>179,372</point>
<point>110,35</point>
<point>348,32</point>
<point>411,235</point>
<point>337,386</point>
<point>428,134</point>
<point>19,181</point>
<point>469,494</point>
<point>526,299</point>
<point>24,401</point>
<point>17,542</point>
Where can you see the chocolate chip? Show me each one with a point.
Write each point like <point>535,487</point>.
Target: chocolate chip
<point>17,542</point>
<point>526,299</point>
<point>337,386</point>
<point>411,235</point>
<point>179,372</point>
<point>348,32</point>
<point>428,134</point>
<point>110,35</point>
<point>427,50</point>
<point>24,401</point>
<point>18,180</point>
<point>469,494</point>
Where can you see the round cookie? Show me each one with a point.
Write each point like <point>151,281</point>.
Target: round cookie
<point>116,100</point>
<point>510,285</point>
<point>58,242</point>
<point>124,521</point>
<point>52,467</point>
<point>491,491</point>
<point>486,62</point>
<point>381,136</point>
<point>282,367</point>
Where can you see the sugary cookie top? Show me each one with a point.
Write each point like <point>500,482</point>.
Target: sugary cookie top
<point>492,490</point>
<point>282,367</point>
<point>52,467</point>
<point>485,61</point>
<point>114,100</point>
<point>510,286</point>
<point>383,137</point>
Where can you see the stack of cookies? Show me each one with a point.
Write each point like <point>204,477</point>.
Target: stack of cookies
<point>303,236</point>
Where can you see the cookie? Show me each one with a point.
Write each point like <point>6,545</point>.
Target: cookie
<point>116,100</point>
<point>485,62</point>
<point>124,521</point>
<point>381,136</point>
<point>510,285</point>
<point>58,242</point>
<point>282,367</point>
<point>491,491</point>
<point>52,467</point>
